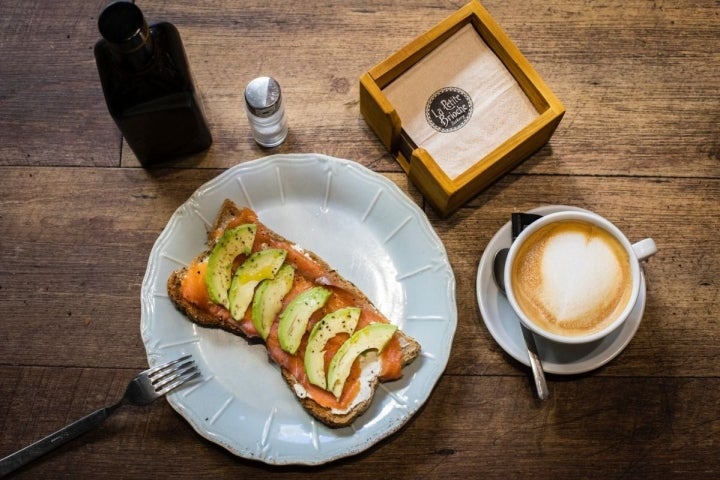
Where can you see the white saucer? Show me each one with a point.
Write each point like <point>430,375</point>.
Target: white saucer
<point>504,325</point>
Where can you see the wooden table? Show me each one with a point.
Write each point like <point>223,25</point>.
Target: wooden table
<point>640,144</point>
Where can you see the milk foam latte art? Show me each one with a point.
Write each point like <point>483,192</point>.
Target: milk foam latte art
<point>572,278</point>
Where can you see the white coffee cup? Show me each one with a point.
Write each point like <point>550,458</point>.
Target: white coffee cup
<point>573,277</point>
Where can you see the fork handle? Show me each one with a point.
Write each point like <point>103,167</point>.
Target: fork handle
<point>41,447</point>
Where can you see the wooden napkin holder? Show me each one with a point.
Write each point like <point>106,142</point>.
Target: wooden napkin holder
<point>446,193</point>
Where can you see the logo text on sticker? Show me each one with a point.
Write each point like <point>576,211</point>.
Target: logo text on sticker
<point>449,109</point>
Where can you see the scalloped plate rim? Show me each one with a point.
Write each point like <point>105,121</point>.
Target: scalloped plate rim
<point>350,441</point>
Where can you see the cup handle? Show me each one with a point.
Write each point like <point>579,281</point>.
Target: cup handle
<point>644,249</point>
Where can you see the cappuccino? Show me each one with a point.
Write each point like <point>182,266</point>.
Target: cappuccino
<point>572,278</point>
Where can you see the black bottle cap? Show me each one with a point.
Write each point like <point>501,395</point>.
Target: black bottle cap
<point>123,25</point>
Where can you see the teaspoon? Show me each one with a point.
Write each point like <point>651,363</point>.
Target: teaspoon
<point>535,363</point>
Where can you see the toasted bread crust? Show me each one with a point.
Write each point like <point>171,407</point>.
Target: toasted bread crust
<point>197,315</point>
<point>410,348</point>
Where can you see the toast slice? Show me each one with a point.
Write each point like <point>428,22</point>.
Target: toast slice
<point>332,398</point>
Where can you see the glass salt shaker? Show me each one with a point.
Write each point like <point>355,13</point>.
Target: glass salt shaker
<point>266,111</point>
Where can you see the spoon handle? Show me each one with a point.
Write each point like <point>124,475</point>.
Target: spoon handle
<point>535,365</point>
<point>518,223</point>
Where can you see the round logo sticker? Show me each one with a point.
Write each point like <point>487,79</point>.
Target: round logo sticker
<point>449,109</point>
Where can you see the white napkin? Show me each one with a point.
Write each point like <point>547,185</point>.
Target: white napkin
<point>500,107</point>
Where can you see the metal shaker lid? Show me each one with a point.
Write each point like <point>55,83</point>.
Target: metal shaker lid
<point>263,96</point>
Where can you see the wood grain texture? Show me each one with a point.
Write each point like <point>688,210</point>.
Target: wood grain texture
<point>639,144</point>
<point>622,427</point>
<point>52,110</point>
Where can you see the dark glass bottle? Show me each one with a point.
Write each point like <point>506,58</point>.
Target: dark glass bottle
<point>148,86</point>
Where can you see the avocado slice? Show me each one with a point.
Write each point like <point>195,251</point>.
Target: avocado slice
<point>268,298</point>
<point>257,267</point>
<point>295,317</point>
<point>235,241</point>
<point>374,336</point>
<point>343,320</point>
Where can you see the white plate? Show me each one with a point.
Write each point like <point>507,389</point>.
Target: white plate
<point>366,228</point>
<point>504,325</point>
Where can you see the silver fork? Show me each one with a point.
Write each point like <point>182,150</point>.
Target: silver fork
<point>146,387</point>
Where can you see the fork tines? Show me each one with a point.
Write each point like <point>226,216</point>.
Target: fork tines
<point>170,375</point>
